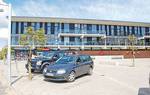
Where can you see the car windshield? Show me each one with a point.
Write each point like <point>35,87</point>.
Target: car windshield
<point>66,60</point>
<point>46,54</point>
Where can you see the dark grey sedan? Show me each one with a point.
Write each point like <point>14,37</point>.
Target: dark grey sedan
<point>69,67</point>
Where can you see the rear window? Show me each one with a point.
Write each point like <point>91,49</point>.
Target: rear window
<point>85,58</point>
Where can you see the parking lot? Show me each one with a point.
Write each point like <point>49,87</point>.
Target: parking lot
<point>106,80</point>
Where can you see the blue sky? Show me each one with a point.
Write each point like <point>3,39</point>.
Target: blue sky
<point>124,10</point>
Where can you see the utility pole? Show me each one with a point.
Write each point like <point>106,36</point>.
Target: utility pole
<point>9,40</point>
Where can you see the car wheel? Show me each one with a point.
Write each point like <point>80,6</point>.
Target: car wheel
<point>90,72</point>
<point>32,70</point>
<point>71,77</point>
<point>44,69</point>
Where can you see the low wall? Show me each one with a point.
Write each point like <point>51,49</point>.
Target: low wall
<point>125,53</point>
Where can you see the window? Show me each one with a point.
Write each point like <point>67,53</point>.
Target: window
<point>128,30</point>
<point>22,27</point>
<point>146,30</point>
<point>45,28</point>
<point>28,24</point>
<point>97,27</point>
<point>106,29</point>
<point>115,30</point>
<point>89,38</point>
<point>124,30</point>
<point>13,27</point>
<point>17,28</point>
<point>52,28</point>
<point>89,26</point>
<point>62,39</point>
<point>62,26</point>
<point>85,58</point>
<point>71,26</point>
<point>71,39</point>
<point>93,29</point>
<point>41,24</point>
<point>109,30</point>
<point>133,30</point>
<point>66,27</point>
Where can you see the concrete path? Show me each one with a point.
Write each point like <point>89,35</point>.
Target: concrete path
<point>106,80</point>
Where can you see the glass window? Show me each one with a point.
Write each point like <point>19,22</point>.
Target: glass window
<point>71,26</point>
<point>45,27</point>
<point>66,59</point>
<point>97,27</point>
<point>17,28</point>
<point>115,30</point>
<point>146,30</point>
<point>89,27</point>
<point>48,28</point>
<point>66,27</point>
<point>62,26</point>
<point>133,30</point>
<point>89,39</point>
<point>13,27</point>
<point>41,24</point>
<point>72,39</point>
<point>93,29</point>
<point>62,39</point>
<point>52,28</point>
<point>110,30</point>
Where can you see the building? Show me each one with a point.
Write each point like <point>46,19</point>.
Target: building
<point>83,34</point>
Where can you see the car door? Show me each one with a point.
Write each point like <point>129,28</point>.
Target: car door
<point>84,63</point>
<point>83,67</point>
<point>88,63</point>
<point>78,66</point>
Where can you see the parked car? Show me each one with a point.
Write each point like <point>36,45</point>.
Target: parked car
<point>41,62</point>
<point>69,67</point>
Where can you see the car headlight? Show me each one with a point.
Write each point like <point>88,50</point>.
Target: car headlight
<point>38,63</point>
<point>61,71</point>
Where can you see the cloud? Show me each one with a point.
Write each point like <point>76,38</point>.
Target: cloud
<point>4,33</point>
<point>130,10</point>
<point>3,15</point>
<point>133,10</point>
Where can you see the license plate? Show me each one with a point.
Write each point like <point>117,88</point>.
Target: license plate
<point>50,74</point>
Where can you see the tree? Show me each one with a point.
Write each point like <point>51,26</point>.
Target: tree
<point>29,40</point>
<point>3,54</point>
<point>132,40</point>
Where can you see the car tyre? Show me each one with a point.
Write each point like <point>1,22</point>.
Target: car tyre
<point>44,68</point>
<point>90,72</point>
<point>71,77</point>
<point>32,70</point>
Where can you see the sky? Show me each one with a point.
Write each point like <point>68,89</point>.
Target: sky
<point>124,10</point>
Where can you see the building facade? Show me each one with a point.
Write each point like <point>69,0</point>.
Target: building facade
<point>69,33</point>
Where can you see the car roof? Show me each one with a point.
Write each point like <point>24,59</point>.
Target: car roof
<point>76,55</point>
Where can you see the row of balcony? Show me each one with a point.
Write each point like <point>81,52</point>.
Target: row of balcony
<point>82,32</point>
<point>98,43</point>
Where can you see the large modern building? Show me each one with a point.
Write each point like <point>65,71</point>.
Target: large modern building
<point>70,33</point>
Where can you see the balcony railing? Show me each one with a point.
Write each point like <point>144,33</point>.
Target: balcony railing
<point>147,34</point>
<point>82,32</point>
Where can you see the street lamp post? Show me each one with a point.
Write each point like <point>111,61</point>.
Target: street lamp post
<point>9,41</point>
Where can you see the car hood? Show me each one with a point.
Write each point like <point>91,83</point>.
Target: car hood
<point>60,66</point>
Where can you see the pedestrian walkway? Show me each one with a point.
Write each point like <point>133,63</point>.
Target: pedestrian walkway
<point>2,89</point>
<point>5,89</point>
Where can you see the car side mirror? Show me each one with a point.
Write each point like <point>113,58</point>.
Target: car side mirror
<point>78,61</point>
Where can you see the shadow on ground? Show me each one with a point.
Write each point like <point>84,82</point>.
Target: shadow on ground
<point>144,91</point>
<point>65,81</point>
